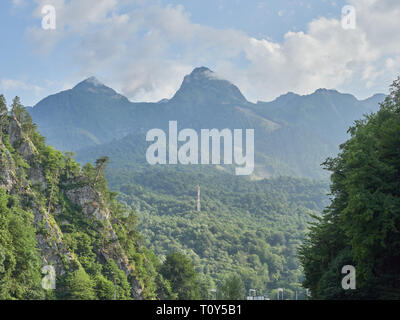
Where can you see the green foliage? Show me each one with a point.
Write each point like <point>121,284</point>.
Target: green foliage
<point>165,291</point>
<point>3,114</point>
<point>118,277</point>
<point>232,288</point>
<point>19,112</point>
<point>360,227</point>
<point>79,286</point>
<point>179,270</point>
<point>104,288</point>
<point>248,228</point>
<point>20,263</point>
<point>17,109</point>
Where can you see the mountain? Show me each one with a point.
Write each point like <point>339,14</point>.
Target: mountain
<point>327,113</point>
<point>203,87</point>
<point>88,114</point>
<point>293,134</point>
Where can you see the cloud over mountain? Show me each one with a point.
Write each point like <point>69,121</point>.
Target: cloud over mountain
<point>145,50</point>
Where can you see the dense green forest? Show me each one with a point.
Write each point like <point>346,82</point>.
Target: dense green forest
<point>361,227</point>
<point>246,229</point>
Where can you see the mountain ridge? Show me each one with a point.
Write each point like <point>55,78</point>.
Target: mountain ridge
<point>294,133</point>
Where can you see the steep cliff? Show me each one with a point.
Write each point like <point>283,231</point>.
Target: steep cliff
<point>80,231</point>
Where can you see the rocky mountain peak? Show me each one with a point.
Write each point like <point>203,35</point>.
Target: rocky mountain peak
<point>92,84</point>
<point>204,85</point>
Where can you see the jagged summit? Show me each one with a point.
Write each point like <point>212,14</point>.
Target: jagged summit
<point>91,81</point>
<point>285,97</point>
<point>326,91</point>
<point>201,69</point>
<point>203,74</point>
<point>204,84</point>
<point>94,81</point>
<point>92,84</point>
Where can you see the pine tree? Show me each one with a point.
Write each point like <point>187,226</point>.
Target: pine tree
<point>101,164</point>
<point>19,112</point>
<point>3,114</point>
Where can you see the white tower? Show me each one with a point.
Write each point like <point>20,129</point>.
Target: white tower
<point>198,199</point>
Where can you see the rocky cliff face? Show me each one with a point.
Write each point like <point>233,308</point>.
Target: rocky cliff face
<point>55,190</point>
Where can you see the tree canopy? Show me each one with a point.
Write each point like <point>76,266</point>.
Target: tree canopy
<point>361,227</point>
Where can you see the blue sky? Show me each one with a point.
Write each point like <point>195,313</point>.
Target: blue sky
<point>260,19</point>
<point>143,48</point>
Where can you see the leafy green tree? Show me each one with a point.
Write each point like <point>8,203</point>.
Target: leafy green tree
<point>179,270</point>
<point>79,286</point>
<point>71,167</point>
<point>20,263</point>
<point>89,172</point>
<point>104,288</point>
<point>360,227</point>
<point>164,290</point>
<point>117,277</point>
<point>232,288</point>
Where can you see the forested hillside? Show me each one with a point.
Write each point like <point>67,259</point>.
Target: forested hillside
<point>60,222</point>
<point>249,229</point>
<point>361,227</point>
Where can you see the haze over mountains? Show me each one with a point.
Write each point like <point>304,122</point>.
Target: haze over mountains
<point>293,134</point>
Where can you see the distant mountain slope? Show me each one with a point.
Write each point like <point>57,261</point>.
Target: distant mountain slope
<point>88,114</point>
<point>293,134</point>
<point>327,113</point>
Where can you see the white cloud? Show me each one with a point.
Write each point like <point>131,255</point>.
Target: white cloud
<point>12,84</point>
<point>359,61</point>
<point>146,52</point>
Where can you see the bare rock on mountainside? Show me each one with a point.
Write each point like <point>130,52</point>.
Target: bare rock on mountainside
<point>54,190</point>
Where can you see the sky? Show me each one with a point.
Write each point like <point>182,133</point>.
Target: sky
<point>144,48</point>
